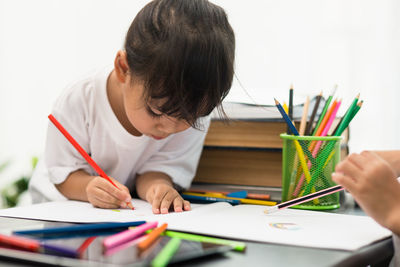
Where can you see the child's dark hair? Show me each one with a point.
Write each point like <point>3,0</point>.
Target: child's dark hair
<point>183,51</point>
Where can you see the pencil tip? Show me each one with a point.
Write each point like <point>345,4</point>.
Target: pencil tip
<point>276,101</point>
<point>334,89</point>
<point>291,86</point>
<point>358,96</point>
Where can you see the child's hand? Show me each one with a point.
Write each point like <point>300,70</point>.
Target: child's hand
<point>102,194</point>
<point>162,196</point>
<point>373,184</point>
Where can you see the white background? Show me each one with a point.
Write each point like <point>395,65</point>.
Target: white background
<point>314,44</point>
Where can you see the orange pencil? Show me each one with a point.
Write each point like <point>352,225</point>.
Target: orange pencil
<point>323,123</point>
<point>326,118</point>
<point>151,237</point>
<point>83,153</point>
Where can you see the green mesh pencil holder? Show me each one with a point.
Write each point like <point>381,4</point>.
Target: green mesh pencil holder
<point>307,165</point>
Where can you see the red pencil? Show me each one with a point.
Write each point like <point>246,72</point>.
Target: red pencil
<point>19,242</point>
<point>83,153</point>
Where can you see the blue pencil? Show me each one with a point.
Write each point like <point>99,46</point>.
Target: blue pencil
<point>79,229</point>
<point>294,131</point>
<point>286,118</point>
<point>210,199</point>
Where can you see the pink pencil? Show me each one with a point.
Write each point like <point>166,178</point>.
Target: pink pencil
<point>127,235</point>
<point>303,199</point>
<point>319,143</point>
<point>130,243</point>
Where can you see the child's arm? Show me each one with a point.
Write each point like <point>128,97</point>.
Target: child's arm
<point>372,182</point>
<point>101,193</point>
<point>157,188</point>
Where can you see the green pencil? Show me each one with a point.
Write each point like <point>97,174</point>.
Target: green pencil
<point>322,157</point>
<point>165,255</point>
<point>236,245</point>
<point>357,108</point>
<point>351,112</point>
<point>328,101</point>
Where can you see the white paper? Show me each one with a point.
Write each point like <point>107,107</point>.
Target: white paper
<point>245,222</point>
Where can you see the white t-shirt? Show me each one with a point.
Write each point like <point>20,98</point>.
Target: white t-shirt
<point>85,112</point>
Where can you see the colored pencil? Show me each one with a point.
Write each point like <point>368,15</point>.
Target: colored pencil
<point>236,245</point>
<point>242,200</point>
<point>83,153</point>
<point>303,121</point>
<point>285,107</point>
<point>331,119</point>
<point>165,255</point>
<point>292,128</point>
<point>319,143</point>
<point>58,250</point>
<point>290,113</point>
<point>303,124</point>
<point>249,195</point>
<point>347,117</point>
<point>326,106</point>
<point>314,112</point>
<point>123,246</point>
<point>19,242</point>
<point>209,199</point>
<point>127,235</point>
<point>151,237</point>
<point>303,199</point>
<point>82,248</point>
<point>326,118</point>
<point>324,156</point>
<point>80,229</point>
<point>323,123</point>
<point>36,246</point>
<point>355,110</point>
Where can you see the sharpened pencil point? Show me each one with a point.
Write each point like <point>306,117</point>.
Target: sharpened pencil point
<point>334,90</point>
<point>276,101</point>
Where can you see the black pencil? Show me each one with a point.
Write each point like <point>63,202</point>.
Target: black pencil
<point>290,111</point>
<point>314,112</point>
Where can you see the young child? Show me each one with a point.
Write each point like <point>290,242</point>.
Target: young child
<point>144,120</point>
<point>371,178</point>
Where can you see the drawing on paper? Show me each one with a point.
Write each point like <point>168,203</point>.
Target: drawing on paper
<point>285,226</point>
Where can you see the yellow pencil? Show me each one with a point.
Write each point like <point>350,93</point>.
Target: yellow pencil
<point>242,200</point>
<point>303,124</point>
<point>285,107</point>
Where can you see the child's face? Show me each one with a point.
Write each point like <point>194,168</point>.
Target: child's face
<point>145,117</point>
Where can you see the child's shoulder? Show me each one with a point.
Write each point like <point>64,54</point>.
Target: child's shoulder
<point>84,90</point>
